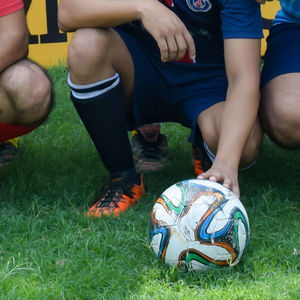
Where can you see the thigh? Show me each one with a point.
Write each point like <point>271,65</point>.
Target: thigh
<point>149,89</point>
<point>281,99</point>
<point>171,92</point>
<point>281,76</point>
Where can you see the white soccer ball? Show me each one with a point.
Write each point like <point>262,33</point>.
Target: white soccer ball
<point>197,224</point>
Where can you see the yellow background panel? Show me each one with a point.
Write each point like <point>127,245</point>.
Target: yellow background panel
<point>268,11</point>
<point>42,22</point>
<point>46,54</point>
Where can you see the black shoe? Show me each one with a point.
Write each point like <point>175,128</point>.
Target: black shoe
<point>8,151</point>
<point>149,148</point>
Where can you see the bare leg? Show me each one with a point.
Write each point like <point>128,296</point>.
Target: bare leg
<point>25,94</point>
<point>280,110</point>
<point>209,124</point>
<point>97,54</point>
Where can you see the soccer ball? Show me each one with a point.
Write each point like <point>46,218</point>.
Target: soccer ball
<point>199,224</point>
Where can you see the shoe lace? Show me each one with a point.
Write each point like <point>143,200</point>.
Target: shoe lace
<point>113,191</point>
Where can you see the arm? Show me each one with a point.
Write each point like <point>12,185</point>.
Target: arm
<point>167,29</point>
<point>13,38</point>
<point>74,14</point>
<point>242,60</point>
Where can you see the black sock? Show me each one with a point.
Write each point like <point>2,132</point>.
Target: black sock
<point>131,174</point>
<point>101,108</point>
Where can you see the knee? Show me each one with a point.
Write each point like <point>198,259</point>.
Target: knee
<point>30,90</point>
<point>281,123</point>
<point>88,50</point>
<point>285,130</point>
<point>39,96</point>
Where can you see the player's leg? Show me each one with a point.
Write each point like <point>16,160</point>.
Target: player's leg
<point>280,110</point>
<point>149,148</point>
<point>209,124</point>
<point>280,101</point>
<point>101,81</point>
<point>25,95</point>
<point>25,102</point>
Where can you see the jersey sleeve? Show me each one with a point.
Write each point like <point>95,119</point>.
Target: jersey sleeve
<point>10,6</point>
<point>241,19</point>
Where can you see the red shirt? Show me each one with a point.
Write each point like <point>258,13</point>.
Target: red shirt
<point>9,6</point>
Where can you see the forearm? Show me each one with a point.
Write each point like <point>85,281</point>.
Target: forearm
<point>238,117</point>
<point>74,14</point>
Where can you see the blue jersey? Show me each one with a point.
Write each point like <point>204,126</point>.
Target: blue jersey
<point>290,12</point>
<point>209,22</point>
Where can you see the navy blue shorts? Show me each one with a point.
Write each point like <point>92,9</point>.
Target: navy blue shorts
<point>283,52</point>
<point>172,92</point>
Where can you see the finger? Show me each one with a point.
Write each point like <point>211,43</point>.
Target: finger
<point>213,178</point>
<point>172,48</point>
<point>190,44</point>
<point>204,175</point>
<point>236,190</point>
<point>216,177</point>
<point>227,183</point>
<point>163,48</point>
<point>181,46</point>
<point>228,186</point>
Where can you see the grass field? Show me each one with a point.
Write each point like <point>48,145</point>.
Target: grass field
<point>50,250</point>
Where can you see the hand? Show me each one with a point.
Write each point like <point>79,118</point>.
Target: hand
<point>224,175</point>
<point>171,35</point>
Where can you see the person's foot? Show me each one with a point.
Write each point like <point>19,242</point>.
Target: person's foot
<point>117,196</point>
<point>201,160</point>
<point>149,148</point>
<point>8,151</point>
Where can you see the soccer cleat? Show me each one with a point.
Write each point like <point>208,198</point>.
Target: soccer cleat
<point>116,197</point>
<point>149,148</point>
<point>201,160</point>
<point>8,151</point>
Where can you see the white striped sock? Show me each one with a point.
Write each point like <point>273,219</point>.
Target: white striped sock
<point>88,91</point>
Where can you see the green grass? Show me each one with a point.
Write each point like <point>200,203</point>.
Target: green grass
<point>50,250</point>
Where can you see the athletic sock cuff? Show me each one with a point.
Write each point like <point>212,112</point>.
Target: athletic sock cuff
<point>209,153</point>
<point>212,158</point>
<point>89,91</point>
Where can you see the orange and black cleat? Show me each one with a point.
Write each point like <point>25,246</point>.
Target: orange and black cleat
<point>116,197</point>
<point>201,160</point>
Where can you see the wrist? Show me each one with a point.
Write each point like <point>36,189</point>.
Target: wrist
<point>142,7</point>
<point>226,163</point>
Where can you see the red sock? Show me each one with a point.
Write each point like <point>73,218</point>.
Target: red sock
<point>9,131</point>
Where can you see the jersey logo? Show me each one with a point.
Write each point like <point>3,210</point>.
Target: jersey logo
<point>169,3</point>
<point>199,5</point>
